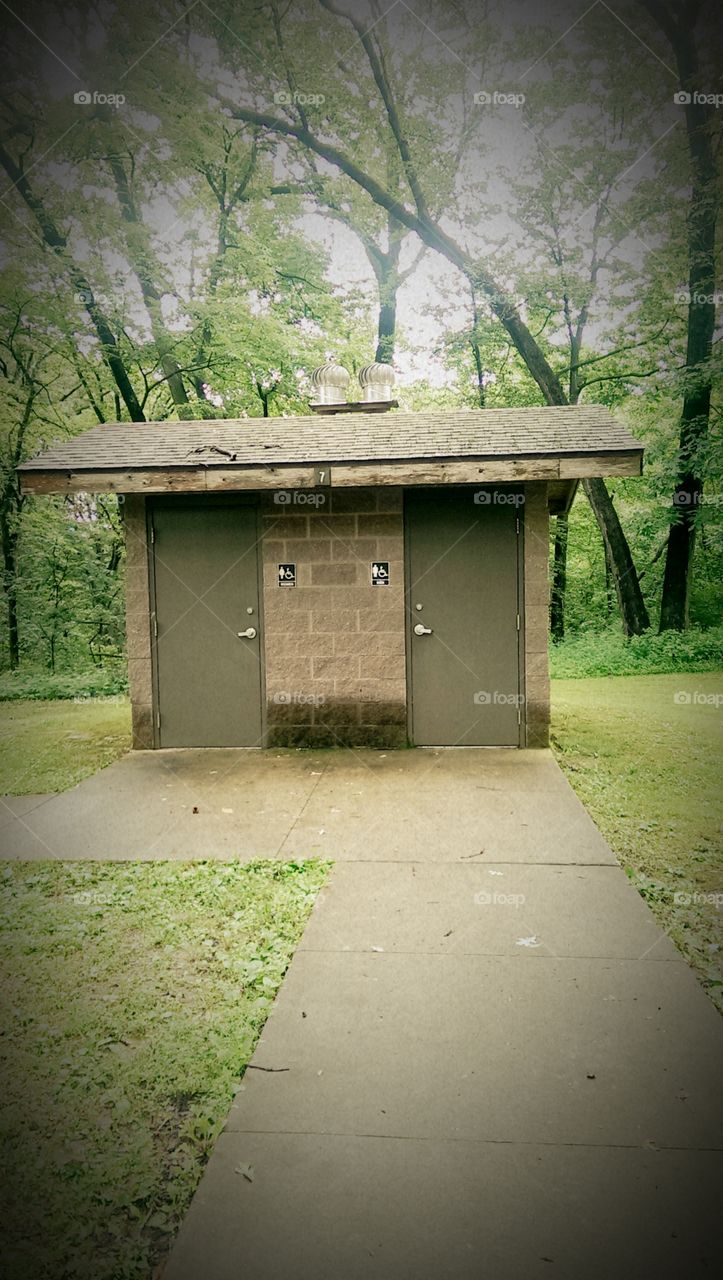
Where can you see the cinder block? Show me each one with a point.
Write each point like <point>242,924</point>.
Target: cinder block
<point>274,550</point>
<point>346,667</point>
<point>288,524</point>
<point>287,644</point>
<point>536,628</point>
<point>377,711</point>
<point>335,620</point>
<point>362,550</point>
<point>380,526</point>
<point>308,549</point>
<point>390,618</point>
<point>288,674</point>
<point>344,501</point>
<point>325,524</point>
<point>356,643</point>
<point>141,726</point>
<point>334,575</point>
<point>140,682</point>
<point>286,712</point>
<point>336,712</point>
<point>389,644</point>
<point>138,631</point>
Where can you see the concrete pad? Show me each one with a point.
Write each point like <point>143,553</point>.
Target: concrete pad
<point>172,804</point>
<point>445,806</point>
<point>502,1049</point>
<point>477,908</point>
<point>333,1207</point>
<point>348,805</point>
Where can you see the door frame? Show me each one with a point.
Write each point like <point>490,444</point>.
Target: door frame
<point>199,500</point>
<point>409,616</point>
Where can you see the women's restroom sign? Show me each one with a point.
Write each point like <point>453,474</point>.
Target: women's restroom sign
<point>380,573</point>
<point>287,575</point>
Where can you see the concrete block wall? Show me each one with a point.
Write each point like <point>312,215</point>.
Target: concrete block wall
<point>138,620</point>
<point>536,615</point>
<point>334,644</point>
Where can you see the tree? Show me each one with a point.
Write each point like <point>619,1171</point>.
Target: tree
<point>678,22</point>
<point>421,219</point>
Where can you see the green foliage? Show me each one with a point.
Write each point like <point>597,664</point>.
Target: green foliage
<point>608,653</point>
<point>70,585</point>
<point>137,993</point>
<point>29,683</point>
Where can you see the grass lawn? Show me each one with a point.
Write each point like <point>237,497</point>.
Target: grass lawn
<point>49,746</point>
<point>133,996</point>
<point>648,768</point>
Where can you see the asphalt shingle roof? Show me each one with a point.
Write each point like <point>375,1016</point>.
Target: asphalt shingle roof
<point>341,437</point>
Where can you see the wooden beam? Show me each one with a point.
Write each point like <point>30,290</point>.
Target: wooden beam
<point>472,471</point>
<point>216,479</point>
<point>588,465</point>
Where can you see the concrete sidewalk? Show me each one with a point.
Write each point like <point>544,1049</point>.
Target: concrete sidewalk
<point>485,1059</point>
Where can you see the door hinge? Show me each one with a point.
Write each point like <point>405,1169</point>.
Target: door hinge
<point>153,534</point>
<point>517,523</point>
<point>519,716</point>
<point>155,628</point>
<point>158,719</point>
<point>518,622</point>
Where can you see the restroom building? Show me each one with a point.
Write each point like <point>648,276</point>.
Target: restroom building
<point>354,577</point>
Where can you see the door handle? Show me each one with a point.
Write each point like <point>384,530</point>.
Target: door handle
<point>421,630</point>
<point>248,634</point>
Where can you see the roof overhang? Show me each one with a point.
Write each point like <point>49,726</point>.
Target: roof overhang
<point>561,472</point>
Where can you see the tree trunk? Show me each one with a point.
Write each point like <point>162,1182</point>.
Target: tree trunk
<point>559,580</point>
<point>58,244</point>
<point>140,257</point>
<point>625,579</point>
<point>609,590</point>
<point>10,576</point>
<point>387,326</point>
<point>702,214</point>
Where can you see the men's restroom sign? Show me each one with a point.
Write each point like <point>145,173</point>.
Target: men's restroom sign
<point>287,575</point>
<point>380,573</point>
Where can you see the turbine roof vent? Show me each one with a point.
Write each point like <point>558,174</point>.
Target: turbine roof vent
<point>329,383</point>
<point>376,382</point>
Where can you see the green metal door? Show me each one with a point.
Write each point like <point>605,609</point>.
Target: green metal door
<point>463,617</point>
<point>208,672</point>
